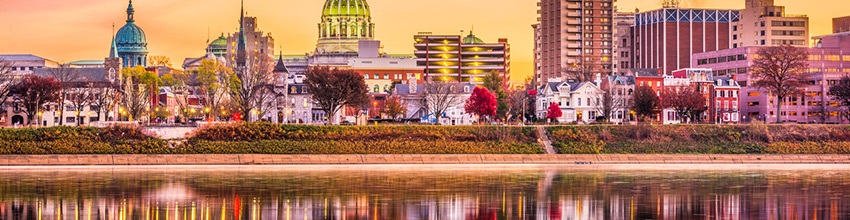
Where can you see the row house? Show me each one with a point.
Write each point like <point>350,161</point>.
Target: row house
<point>414,97</point>
<point>720,94</point>
<point>828,61</point>
<point>579,101</point>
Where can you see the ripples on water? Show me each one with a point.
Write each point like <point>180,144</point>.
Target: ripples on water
<point>424,192</point>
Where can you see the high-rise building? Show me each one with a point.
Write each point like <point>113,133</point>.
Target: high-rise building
<point>463,59</point>
<point>256,41</point>
<point>574,34</point>
<point>623,22</point>
<point>841,24</point>
<point>761,23</point>
<point>130,41</point>
<point>666,38</point>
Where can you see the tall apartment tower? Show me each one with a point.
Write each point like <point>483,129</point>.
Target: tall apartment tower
<point>667,38</point>
<point>764,24</point>
<point>623,21</point>
<point>574,33</point>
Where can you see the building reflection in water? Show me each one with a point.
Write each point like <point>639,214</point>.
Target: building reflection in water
<point>459,193</point>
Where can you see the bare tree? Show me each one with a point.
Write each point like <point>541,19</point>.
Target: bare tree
<point>440,96</point>
<point>105,97</point>
<point>517,101</point>
<point>7,80</point>
<point>840,92</point>
<point>178,83</point>
<point>608,101</point>
<point>247,85</point>
<point>580,72</point>
<point>265,102</point>
<point>65,75</point>
<point>79,95</point>
<point>782,70</point>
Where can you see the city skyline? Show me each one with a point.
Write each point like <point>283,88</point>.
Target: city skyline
<point>55,30</point>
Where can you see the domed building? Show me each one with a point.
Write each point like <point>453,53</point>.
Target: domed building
<point>218,47</point>
<point>344,24</point>
<point>130,42</point>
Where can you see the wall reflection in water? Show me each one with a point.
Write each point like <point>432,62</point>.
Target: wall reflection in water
<point>411,192</point>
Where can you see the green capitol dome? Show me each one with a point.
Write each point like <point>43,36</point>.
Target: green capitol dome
<point>346,8</point>
<point>472,39</point>
<point>344,24</point>
<point>218,47</point>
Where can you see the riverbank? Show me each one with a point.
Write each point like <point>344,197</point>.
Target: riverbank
<point>274,159</point>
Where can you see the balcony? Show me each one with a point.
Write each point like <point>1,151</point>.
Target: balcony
<point>573,6</point>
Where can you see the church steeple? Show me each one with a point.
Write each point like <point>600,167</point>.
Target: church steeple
<point>130,13</point>
<point>113,50</point>
<point>241,53</point>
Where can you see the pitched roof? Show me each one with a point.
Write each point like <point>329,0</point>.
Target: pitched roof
<point>89,74</point>
<point>20,57</point>
<point>280,66</point>
<point>554,86</point>
<point>724,81</point>
<point>644,72</point>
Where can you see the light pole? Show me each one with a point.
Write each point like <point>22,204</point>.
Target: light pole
<point>524,103</point>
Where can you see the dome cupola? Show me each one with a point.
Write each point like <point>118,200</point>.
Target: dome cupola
<point>130,41</point>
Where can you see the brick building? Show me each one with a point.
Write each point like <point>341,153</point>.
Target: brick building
<point>666,38</point>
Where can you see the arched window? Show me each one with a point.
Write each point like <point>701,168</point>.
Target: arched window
<point>376,88</point>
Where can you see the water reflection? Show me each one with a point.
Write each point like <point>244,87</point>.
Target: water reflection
<point>421,192</point>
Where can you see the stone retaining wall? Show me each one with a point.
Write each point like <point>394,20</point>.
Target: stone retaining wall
<point>265,159</point>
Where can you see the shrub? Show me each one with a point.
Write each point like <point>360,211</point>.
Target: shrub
<point>683,139</point>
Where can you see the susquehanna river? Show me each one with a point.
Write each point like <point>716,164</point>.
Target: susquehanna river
<point>427,192</point>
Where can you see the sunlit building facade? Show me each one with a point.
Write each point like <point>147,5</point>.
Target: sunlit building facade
<point>574,33</point>
<point>762,23</point>
<point>828,61</point>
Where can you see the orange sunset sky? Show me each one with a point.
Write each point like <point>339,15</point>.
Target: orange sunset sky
<point>70,30</point>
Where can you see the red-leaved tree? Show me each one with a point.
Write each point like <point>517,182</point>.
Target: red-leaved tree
<point>482,103</point>
<point>35,92</point>
<point>685,100</point>
<point>554,112</point>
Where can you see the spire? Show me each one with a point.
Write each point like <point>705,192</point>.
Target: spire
<point>280,66</point>
<point>241,55</point>
<point>130,13</point>
<point>113,50</point>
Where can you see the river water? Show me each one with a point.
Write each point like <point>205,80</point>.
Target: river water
<point>427,192</point>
